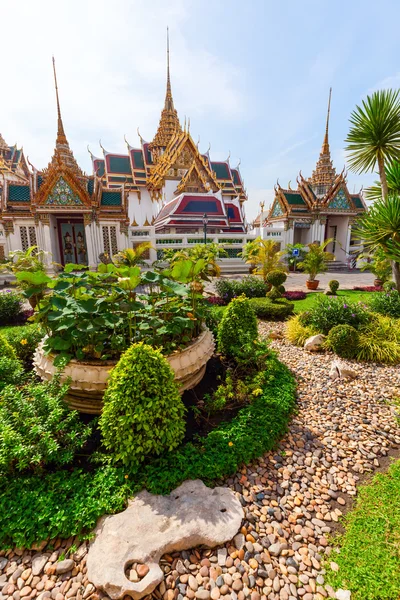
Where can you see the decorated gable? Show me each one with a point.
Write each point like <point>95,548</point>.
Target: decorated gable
<point>62,195</point>
<point>340,201</point>
<point>277,210</point>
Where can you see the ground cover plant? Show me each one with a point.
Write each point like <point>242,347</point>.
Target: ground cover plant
<point>348,295</point>
<point>386,303</point>
<point>369,558</point>
<point>329,311</point>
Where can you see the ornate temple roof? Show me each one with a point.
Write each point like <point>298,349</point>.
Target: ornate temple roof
<point>324,173</point>
<point>169,122</point>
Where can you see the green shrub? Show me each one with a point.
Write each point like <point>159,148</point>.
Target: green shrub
<point>388,286</point>
<point>37,428</point>
<point>143,411</point>
<point>379,341</point>
<point>343,340</point>
<point>386,303</point>
<point>333,286</point>
<point>213,317</point>
<point>32,504</point>
<point>276,278</point>
<point>238,326</point>
<point>10,307</point>
<point>297,333</point>
<point>6,349</point>
<point>329,311</point>
<point>269,310</point>
<point>251,287</point>
<point>11,371</point>
<point>24,340</point>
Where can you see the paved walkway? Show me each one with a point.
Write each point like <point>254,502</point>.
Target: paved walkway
<point>297,281</point>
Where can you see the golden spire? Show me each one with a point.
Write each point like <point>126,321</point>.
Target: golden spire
<point>62,153</point>
<point>61,138</point>
<point>325,172</point>
<point>169,122</point>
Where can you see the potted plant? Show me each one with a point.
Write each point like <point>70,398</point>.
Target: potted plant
<point>91,318</point>
<point>315,261</point>
<point>379,265</point>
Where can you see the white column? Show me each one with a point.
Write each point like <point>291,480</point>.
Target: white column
<point>90,245</point>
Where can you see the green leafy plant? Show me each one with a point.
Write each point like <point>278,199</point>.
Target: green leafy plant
<point>378,264</point>
<point>276,279</point>
<point>315,261</point>
<point>238,326</point>
<point>37,429</point>
<point>290,258</point>
<point>213,317</point>
<point>143,411</point>
<point>24,340</point>
<point>10,307</point>
<point>11,371</point>
<point>209,253</point>
<point>31,261</point>
<point>392,172</point>
<point>6,349</point>
<point>329,311</point>
<point>265,255</point>
<point>270,310</point>
<point>379,341</point>
<point>386,303</point>
<point>343,340</point>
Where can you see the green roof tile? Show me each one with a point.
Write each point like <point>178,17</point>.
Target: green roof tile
<point>19,193</point>
<point>111,199</point>
<point>119,164</point>
<point>294,198</point>
<point>357,201</point>
<point>221,170</point>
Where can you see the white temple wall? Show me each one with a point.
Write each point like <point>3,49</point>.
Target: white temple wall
<point>143,209</point>
<point>342,231</point>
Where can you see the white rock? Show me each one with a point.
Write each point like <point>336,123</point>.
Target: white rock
<point>221,555</point>
<point>343,595</point>
<point>314,343</point>
<point>341,371</point>
<point>155,525</point>
<point>38,563</point>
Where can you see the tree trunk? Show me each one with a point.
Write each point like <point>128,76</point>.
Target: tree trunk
<point>382,176</point>
<point>396,274</point>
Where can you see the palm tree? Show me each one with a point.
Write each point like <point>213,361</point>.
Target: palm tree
<point>266,255</point>
<point>380,227</point>
<point>392,172</point>
<point>131,257</point>
<point>374,136</point>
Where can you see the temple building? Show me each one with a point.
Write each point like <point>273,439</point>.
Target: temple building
<point>165,185</point>
<point>320,208</point>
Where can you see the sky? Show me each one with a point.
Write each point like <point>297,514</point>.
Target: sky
<point>253,77</point>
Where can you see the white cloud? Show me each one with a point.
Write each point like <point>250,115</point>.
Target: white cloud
<point>257,195</point>
<point>111,68</point>
<point>391,82</point>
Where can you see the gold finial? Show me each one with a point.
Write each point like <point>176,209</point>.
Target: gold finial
<point>61,137</point>
<point>324,173</point>
<point>262,204</point>
<point>188,126</point>
<point>325,146</point>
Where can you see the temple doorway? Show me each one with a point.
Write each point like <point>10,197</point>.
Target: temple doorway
<point>72,241</point>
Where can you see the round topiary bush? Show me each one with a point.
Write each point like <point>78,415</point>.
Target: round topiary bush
<point>343,340</point>
<point>333,286</point>
<point>238,326</point>
<point>143,410</point>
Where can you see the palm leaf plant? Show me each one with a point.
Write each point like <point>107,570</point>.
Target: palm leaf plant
<point>132,257</point>
<point>374,192</point>
<point>315,261</point>
<point>265,255</point>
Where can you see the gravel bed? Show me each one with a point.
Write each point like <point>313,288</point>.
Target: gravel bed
<point>293,499</point>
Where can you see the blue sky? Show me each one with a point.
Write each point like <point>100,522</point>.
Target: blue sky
<point>252,76</point>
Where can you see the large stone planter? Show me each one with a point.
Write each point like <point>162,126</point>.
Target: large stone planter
<point>89,379</point>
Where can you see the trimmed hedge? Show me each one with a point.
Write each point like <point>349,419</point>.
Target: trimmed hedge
<point>251,287</point>
<point>66,503</point>
<point>277,310</point>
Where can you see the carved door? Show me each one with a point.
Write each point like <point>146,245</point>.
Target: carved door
<point>72,240</point>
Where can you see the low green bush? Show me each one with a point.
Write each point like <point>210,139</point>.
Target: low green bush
<point>379,341</point>
<point>143,410</point>
<point>32,504</point>
<point>11,304</point>
<point>24,340</point>
<point>238,326</point>
<point>386,303</point>
<point>343,340</point>
<point>270,310</point>
<point>251,287</point>
<point>333,286</point>
<point>11,371</point>
<point>37,429</point>
<point>329,311</point>
<point>213,317</point>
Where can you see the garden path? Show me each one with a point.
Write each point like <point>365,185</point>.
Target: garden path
<point>292,497</point>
